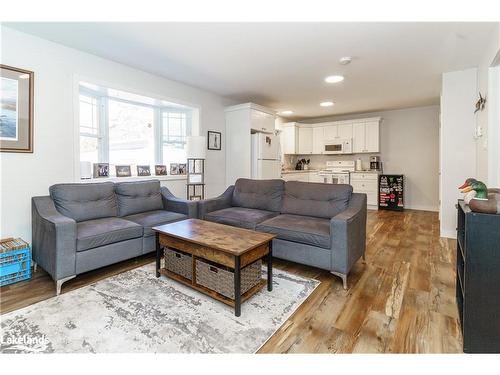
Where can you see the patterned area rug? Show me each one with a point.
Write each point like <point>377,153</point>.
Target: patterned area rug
<point>136,312</point>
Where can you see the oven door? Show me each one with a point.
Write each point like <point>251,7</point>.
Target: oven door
<point>340,178</point>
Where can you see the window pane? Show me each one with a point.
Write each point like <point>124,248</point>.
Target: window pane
<point>88,149</point>
<point>131,134</point>
<point>175,131</point>
<point>88,115</point>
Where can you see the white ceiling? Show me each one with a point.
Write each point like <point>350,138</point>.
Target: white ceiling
<point>282,65</point>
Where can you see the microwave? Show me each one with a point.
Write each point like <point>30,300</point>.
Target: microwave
<point>338,146</point>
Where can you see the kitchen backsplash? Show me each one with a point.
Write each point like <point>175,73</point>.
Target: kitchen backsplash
<point>319,161</point>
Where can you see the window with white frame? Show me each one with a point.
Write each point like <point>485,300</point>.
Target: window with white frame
<point>122,128</point>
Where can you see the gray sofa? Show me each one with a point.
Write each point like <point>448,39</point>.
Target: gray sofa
<point>84,226</point>
<point>321,225</point>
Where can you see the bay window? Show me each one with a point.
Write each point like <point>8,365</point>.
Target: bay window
<point>122,128</point>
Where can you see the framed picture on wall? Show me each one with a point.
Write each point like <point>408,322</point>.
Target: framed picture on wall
<point>214,140</point>
<point>16,109</point>
<point>123,171</point>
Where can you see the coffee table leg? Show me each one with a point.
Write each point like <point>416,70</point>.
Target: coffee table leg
<point>237,286</point>
<point>270,267</point>
<point>158,254</point>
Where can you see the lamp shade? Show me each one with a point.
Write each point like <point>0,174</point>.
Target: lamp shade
<point>195,148</point>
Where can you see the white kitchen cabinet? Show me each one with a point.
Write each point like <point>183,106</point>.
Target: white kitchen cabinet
<point>365,137</point>
<point>366,183</point>
<point>299,176</point>
<point>289,138</point>
<point>305,141</point>
<point>344,131</point>
<point>314,177</point>
<point>331,131</point>
<point>262,121</point>
<point>318,137</point>
<point>358,138</point>
<point>372,140</point>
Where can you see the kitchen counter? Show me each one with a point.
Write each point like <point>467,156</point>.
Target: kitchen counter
<point>367,171</point>
<point>298,171</point>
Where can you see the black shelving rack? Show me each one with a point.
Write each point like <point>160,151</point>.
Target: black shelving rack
<point>195,186</point>
<point>478,279</point>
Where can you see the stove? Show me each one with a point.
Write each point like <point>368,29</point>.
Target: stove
<point>337,172</point>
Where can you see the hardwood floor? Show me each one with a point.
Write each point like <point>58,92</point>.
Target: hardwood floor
<point>402,300</point>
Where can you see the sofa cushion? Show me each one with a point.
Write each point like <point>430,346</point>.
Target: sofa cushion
<point>99,232</point>
<point>259,194</point>
<point>303,229</point>
<point>85,201</point>
<point>152,218</point>
<point>240,216</point>
<point>138,196</point>
<point>318,200</point>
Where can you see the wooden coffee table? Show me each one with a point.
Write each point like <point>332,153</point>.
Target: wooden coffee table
<point>222,244</point>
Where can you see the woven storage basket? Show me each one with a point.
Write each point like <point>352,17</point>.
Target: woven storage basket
<point>221,279</point>
<point>179,263</point>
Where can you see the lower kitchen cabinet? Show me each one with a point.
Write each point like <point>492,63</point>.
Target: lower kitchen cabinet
<point>366,183</point>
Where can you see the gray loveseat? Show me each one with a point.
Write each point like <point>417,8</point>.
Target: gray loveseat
<point>84,226</point>
<point>321,225</point>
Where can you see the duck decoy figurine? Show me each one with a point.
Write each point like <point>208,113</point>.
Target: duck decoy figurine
<point>485,200</point>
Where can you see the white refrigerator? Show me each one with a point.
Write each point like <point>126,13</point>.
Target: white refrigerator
<point>266,156</point>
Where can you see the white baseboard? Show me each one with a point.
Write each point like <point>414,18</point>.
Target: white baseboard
<point>423,208</point>
<point>448,233</point>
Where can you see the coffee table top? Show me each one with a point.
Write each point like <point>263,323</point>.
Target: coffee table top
<point>226,238</point>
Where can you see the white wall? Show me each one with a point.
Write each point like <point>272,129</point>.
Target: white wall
<point>53,160</point>
<point>409,145</point>
<point>484,74</point>
<point>458,147</point>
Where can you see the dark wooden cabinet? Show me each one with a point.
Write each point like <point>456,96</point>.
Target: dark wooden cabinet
<point>478,279</point>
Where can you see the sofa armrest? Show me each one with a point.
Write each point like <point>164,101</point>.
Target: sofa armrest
<point>348,232</point>
<point>181,206</point>
<point>53,239</point>
<point>222,201</point>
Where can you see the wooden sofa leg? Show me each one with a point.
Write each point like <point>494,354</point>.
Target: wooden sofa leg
<point>343,277</point>
<point>363,257</point>
<point>60,282</point>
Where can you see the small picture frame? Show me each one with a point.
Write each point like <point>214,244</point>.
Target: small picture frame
<point>182,168</point>
<point>123,171</point>
<point>160,170</point>
<point>143,170</point>
<point>101,170</point>
<point>214,140</point>
<point>174,169</point>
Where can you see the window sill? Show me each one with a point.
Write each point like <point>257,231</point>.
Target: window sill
<point>135,178</point>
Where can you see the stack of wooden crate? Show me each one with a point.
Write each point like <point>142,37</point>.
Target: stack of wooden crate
<point>15,261</point>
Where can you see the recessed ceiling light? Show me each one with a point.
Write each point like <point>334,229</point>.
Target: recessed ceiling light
<point>286,113</point>
<point>334,79</point>
<point>326,104</point>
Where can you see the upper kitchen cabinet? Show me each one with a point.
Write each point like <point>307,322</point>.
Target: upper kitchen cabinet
<point>262,121</point>
<point>290,138</point>
<point>305,141</point>
<point>318,139</point>
<point>366,137</point>
<point>337,131</point>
